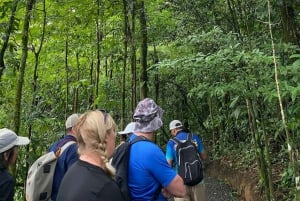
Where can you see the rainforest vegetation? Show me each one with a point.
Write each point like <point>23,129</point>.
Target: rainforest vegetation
<point>230,70</point>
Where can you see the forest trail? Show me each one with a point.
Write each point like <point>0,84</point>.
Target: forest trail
<point>217,190</point>
<point>226,183</point>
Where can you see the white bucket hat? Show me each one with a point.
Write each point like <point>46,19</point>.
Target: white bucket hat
<point>9,139</point>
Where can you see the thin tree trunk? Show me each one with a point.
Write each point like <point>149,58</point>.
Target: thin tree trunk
<point>7,36</point>
<point>292,149</point>
<point>259,150</point>
<point>235,22</point>
<point>99,39</point>
<point>67,76</point>
<point>34,100</point>
<point>155,61</point>
<point>125,43</point>
<point>133,53</point>
<point>92,83</point>
<point>75,109</point>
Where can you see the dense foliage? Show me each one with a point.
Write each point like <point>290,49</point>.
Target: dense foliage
<point>229,70</point>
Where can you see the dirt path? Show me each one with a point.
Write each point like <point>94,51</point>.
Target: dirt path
<point>217,190</point>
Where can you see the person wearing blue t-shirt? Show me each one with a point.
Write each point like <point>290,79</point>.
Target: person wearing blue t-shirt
<point>150,177</point>
<point>68,157</point>
<point>197,192</point>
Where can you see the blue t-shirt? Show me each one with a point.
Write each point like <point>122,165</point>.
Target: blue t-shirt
<point>181,135</point>
<point>148,169</point>
<point>65,161</point>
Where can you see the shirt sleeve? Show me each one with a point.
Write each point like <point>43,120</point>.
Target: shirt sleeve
<point>200,145</point>
<point>169,151</point>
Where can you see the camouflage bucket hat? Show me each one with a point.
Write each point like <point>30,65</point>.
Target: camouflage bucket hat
<point>147,116</point>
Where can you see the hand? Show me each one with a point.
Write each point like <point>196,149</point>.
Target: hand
<point>166,193</point>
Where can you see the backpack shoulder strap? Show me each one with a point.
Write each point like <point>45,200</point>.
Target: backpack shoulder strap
<point>66,145</point>
<point>190,137</point>
<point>62,148</point>
<point>174,139</point>
<point>139,138</point>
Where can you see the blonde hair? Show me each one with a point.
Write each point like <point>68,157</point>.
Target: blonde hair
<point>91,131</point>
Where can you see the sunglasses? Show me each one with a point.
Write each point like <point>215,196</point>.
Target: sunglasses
<point>105,113</point>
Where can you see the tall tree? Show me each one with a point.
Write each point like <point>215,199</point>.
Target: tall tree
<point>27,17</point>
<point>144,50</point>
<point>6,36</point>
<point>132,13</point>
<point>125,55</point>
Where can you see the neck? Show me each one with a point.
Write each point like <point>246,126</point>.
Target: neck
<point>149,135</point>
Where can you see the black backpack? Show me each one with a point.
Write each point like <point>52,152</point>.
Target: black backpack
<point>120,162</point>
<point>189,163</point>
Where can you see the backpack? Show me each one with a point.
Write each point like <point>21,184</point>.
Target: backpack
<point>120,162</point>
<point>189,163</point>
<point>40,175</point>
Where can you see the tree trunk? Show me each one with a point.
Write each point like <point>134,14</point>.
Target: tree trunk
<point>18,109</point>
<point>125,55</point>
<point>67,76</point>
<point>144,47</point>
<point>99,39</point>
<point>34,101</point>
<point>259,150</point>
<point>7,35</point>
<point>133,53</point>
<point>234,21</point>
<point>289,27</point>
<point>29,7</point>
<point>75,109</point>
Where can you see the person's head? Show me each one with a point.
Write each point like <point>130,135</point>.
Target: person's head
<point>96,132</point>
<point>147,116</point>
<point>175,126</point>
<point>128,130</point>
<point>71,122</point>
<point>9,142</point>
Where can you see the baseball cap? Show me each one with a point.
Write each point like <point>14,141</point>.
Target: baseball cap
<point>72,120</point>
<point>9,139</point>
<point>129,129</point>
<point>175,124</point>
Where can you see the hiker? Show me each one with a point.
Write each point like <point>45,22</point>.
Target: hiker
<point>150,177</point>
<point>126,132</point>
<point>90,178</point>
<point>9,142</point>
<point>68,157</point>
<point>196,192</point>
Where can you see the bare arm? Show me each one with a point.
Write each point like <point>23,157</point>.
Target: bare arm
<point>170,162</point>
<point>203,155</point>
<point>176,187</point>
